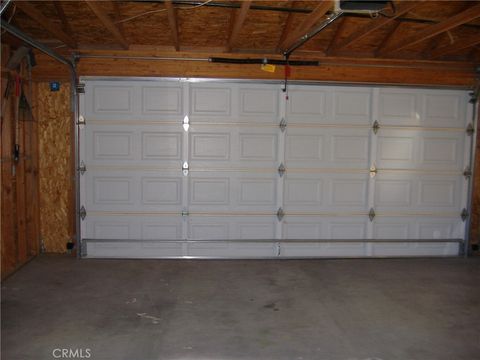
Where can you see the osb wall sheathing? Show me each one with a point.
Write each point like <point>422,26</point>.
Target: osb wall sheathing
<point>54,120</point>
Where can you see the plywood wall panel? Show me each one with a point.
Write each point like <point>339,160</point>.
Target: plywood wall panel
<point>54,166</point>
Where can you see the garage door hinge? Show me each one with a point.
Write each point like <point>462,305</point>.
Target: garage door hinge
<point>375,127</point>
<point>467,172</point>
<point>373,171</point>
<point>470,130</point>
<point>185,212</point>
<point>82,168</point>
<point>83,213</point>
<point>283,124</point>
<point>81,120</point>
<point>371,214</point>
<point>464,214</point>
<point>280,214</point>
<point>281,170</point>
<point>185,168</point>
<point>279,249</point>
<point>80,88</point>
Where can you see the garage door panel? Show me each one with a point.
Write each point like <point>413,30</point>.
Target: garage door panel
<point>133,145</point>
<point>134,250</point>
<point>304,228</point>
<point>444,108</point>
<point>406,192</point>
<point>327,249</point>
<point>417,249</point>
<point>327,147</point>
<point>352,105</point>
<point>231,250</point>
<point>162,100</point>
<point>130,190</point>
<point>426,150</point>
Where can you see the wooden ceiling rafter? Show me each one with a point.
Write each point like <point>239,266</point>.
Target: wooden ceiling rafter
<point>287,28</point>
<point>236,22</point>
<point>173,23</point>
<point>101,14</point>
<point>342,26</point>
<point>32,12</point>
<point>386,40</point>
<point>375,24</point>
<point>311,19</point>
<point>456,46</point>
<point>432,30</point>
<point>63,18</point>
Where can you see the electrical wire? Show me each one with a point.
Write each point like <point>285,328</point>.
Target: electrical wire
<point>162,10</point>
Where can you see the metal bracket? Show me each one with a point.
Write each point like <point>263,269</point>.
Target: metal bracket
<point>280,214</point>
<point>283,124</point>
<point>279,249</point>
<point>467,172</point>
<point>81,120</point>
<point>83,213</point>
<point>82,168</point>
<point>186,123</point>
<point>80,88</point>
<point>373,171</point>
<point>371,214</point>
<point>464,214</point>
<point>281,170</point>
<point>470,129</point>
<point>185,212</point>
<point>185,168</point>
<point>375,127</point>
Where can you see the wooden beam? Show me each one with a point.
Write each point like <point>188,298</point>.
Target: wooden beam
<point>31,11</point>
<point>433,30</point>
<point>387,39</point>
<point>375,24</point>
<point>338,34</point>
<point>287,28</point>
<point>63,18</point>
<point>237,21</point>
<point>107,22</point>
<point>172,21</point>
<point>311,19</point>
<point>461,44</point>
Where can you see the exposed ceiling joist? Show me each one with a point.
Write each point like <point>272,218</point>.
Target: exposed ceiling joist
<point>287,28</point>
<point>332,46</point>
<point>386,40</point>
<point>461,44</point>
<point>107,22</point>
<point>63,18</point>
<point>307,23</point>
<point>237,21</point>
<point>375,24</point>
<point>172,21</point>
<point>465,16</point>
<point>43,21</point>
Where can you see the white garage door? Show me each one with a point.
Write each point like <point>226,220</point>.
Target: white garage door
<point>235,169</point>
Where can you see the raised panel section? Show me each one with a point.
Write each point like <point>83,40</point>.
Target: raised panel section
<point>205,146</point>
<point>210,101</point>
<point>111,230</point>
<point>115,145</point>
<point>347,230</point>
<point>304,147</point>
<point>161,146</point>
<point>112,190</point>
<point>257,192</point>
<point>254,147</point>
<point>302,230</point>
<point>209,231</point>
<point>161,231</point>
<point>303,192</point>
<point>259,103</point>
<point>395,149</point>
<point>348,192</point>
<point>437,193</point>
<point>162,100</point>
<point>161,191</point>
<point>209,191</point>
<point>393,193</point>
<point>113,99</point>
<point>306,105</point>
<point>443,110</point>
<point>434,230</point>
<point>349,148</point>
<point>389,230</point>
<point>398,108</point>
<point>439,150</point>
<point>256,231</point>
<point>352,106</point>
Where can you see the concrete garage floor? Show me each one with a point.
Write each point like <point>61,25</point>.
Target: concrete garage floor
<point>222,310</point>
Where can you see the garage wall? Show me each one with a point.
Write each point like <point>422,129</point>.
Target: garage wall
<point>56,185</point>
